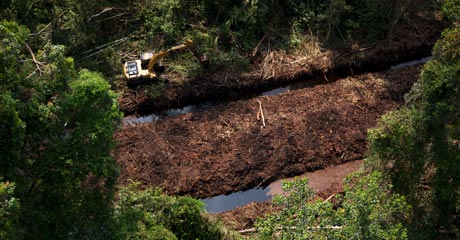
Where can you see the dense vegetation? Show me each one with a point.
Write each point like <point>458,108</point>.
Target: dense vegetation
<point>418,145</point>
<point>367,210</point>
<point>413,161</point>
<point>98,34</point>
<point>57,119</point>
<point>57,171</point>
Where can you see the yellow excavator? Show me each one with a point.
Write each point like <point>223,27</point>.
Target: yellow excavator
<point>149,66</point>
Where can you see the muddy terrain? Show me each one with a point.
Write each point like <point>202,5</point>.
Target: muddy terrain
<point>277,67</point>
<point>251,142</point>
<point>227,148</point>
<point>325,182</point>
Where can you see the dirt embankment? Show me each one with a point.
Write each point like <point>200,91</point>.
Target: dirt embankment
<point>277,68</point>
<point>226,149</point>
<point>325,182</point>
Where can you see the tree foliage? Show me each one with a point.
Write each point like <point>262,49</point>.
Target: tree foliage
<point>57,126</point>
<point>451,10</point>
<point>222,28</point>
<point>57,136</point>
<point>9,211</point>
<point>149,214</point>
<point>11,135</point>
<point>368,210</point>
<point>419,144</point>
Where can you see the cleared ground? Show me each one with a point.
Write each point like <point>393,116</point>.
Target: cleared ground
<point>226,148</point>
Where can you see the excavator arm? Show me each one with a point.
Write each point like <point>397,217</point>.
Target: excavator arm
<point>134,71</point>
<point>163,53</point>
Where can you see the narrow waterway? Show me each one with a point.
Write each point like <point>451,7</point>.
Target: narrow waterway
<point>410,63</point>
<point>131,121</point>
<point>224,203</point>
<point>329,78</point>
<point>329,179</point>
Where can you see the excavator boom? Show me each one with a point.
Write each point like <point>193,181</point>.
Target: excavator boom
<point>136,73</point>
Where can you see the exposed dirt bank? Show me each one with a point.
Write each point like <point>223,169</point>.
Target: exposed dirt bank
<point>277,68</point>
<point>226,149</point>
<point>324,182</point>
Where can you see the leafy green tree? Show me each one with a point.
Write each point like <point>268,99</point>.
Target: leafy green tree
<point>149,214</point>
<point>13,38</point>
<point>451,10</point>
<point>9,209</point>
<point>368,210</point>
<point>57,136</point>
<point>76,175</point>
<point>11,135</point>
<point>418,146</point>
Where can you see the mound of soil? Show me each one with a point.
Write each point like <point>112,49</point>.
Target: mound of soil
<point>277,68</point>
<point>226,148</point>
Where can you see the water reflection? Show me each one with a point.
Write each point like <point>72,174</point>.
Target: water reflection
<point>328,78</point>
<point>143,119</point>
<point>131,121</point>
<point>224,203</point>
<point>411,63</point>
<point>277,91</point>
<point>323,180</point>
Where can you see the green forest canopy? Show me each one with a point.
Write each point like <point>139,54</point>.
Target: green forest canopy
<point>57,119</point>
<point>98,34</point>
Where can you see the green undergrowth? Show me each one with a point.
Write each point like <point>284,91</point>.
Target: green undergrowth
<point>367,210</point>
<point>150,214</point>
<point>59,115</point>
<point>99,35</point>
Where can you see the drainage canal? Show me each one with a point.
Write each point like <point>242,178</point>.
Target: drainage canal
<point>330,77</point>
<point>331,176</point>
<point>131,121</point>
<point>325,180</point>
<point>410,63</point>
<point>224,203</point>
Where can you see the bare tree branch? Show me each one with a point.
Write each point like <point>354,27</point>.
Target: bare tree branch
<point>37,63</point>
<point>100,13</point>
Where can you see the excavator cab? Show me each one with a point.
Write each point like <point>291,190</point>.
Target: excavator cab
<point>149,65</point>
<point>132,68</point>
